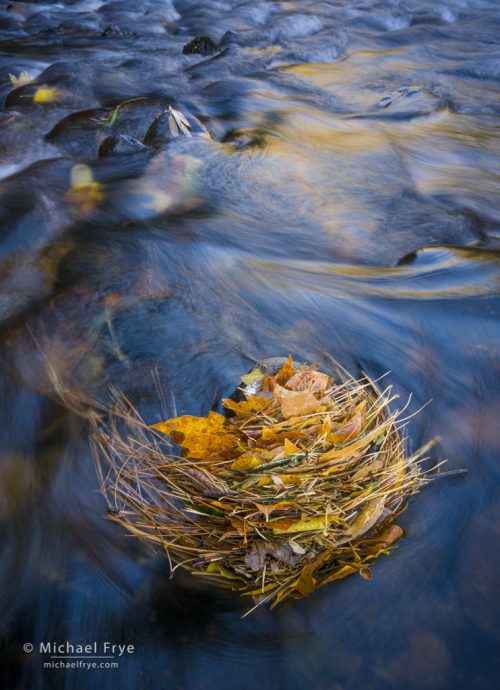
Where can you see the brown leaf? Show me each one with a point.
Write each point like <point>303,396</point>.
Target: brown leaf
<point>260,550</point>
<point>306,582</point>
<point>388,536</point>
<point>312,381</point>
<point>268,509</point>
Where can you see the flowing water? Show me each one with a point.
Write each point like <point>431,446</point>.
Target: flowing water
<point>338,197</point>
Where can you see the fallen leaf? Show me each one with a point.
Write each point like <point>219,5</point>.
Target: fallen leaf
<point>290,448</point>
<point>348,451</point>
<point>307,524</point>
<point>253,378</point>
<point>369,468</point>
<point>23,79</point>
<point>296,403</point>
<point>247,461</point>
<point>312,381</point>
<point>260,550</point>
<point>286,371</point>
<point>306,582</point>
<point>367,518</point>
<point>252,405</point>
<point>388,535</point>
<point>349,430</point>
<point>268,509</point>
<point>200,437</point>
<point>48,95</point>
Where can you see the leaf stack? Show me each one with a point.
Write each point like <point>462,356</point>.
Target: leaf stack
<point>298,485</point>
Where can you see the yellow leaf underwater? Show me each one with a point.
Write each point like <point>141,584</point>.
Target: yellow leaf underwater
<point>47,94</point>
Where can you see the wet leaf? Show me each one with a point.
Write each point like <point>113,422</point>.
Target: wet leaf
<point>367,518</point>
<point>270,508</point>
<point>296,403</point>
<point>253,377</point>
<point>247,461</point>
<point>180,122</point>
<point>23,79</point>
<point>388,535</point>
<point>260,550</point>
<point>286,371</point>
<point>306,524</point>
<point>48,95</point>
<point>349,430</point>
<point>252,405</point>
<point>312,381</point>
<point>200,437</point>
<point>306,582</point>
<point>290,448</point>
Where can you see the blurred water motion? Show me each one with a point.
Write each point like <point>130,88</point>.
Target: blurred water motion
<point>333,194</point>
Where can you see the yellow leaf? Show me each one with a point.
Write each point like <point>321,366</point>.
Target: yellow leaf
<point>200,437</point>
<point>303,525</point>
<point>47,95</point>
<point>252,405</point>
<point>290,448</point>
<point>367,518</point>
<point>247,461</point>
<point>253,377</point>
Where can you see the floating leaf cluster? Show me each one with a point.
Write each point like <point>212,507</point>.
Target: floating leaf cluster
<point>298,485</point>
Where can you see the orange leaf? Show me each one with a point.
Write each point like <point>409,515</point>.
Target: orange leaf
<point>348,431</point>
<point>200,437</point>
<point>388,536</point>
<point>306,582</point>
<point>296,403</point>
<point>286,371</point>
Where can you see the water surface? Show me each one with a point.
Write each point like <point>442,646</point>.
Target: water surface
<point>338,198</point>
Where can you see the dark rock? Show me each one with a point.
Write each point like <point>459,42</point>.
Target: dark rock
<point>201,45</point>
<point>123,143</point>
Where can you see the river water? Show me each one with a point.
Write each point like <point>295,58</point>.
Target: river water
<point>338,198</point>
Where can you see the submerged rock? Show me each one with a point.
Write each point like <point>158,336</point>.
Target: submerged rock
<point>201,45</point>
